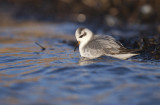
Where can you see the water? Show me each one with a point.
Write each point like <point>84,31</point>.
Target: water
<point>57,76</point>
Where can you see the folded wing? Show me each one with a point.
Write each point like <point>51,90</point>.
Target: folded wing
<point>107,45</point>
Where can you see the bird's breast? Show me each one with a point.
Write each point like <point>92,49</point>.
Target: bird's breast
<point>88,53</point>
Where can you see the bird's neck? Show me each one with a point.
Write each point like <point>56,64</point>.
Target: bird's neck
<point>84,43</point>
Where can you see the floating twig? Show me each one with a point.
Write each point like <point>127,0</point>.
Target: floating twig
<point>42,48</point>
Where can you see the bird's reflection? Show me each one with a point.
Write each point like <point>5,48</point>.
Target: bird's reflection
<point>87,61</point>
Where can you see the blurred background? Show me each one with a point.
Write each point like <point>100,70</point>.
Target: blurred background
<point>101,12</point>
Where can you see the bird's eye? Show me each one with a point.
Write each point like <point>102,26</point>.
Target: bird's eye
<point>83,35</point>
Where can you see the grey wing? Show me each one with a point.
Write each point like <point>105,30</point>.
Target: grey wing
<point>94,48</point>
<point>109,44</point>
<point>102,45</point>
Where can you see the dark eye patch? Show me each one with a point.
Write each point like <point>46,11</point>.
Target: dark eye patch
<point>83,35</point>
<point>80,30</point>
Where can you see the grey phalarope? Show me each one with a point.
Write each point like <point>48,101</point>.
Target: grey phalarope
<point>93,46</point>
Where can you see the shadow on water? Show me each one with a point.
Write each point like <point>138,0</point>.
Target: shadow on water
<point>58,75</point>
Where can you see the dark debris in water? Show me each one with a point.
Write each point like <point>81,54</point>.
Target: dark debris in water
<point>42,48</point>
<point>151,47</point>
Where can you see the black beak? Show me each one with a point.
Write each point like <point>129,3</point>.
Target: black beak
<point>76,46</point>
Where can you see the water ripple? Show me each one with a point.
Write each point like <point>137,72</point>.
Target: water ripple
<point>120,70</point>
<point>59,76</point>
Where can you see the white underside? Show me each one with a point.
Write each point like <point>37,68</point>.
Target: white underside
<point>119,56</point>
<point>122,56</point>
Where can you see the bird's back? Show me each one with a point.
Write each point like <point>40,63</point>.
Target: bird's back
<point>105,45</point>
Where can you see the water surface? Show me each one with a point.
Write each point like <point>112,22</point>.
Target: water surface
<point>58,76</point>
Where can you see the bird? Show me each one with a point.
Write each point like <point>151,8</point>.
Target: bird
<point>93,46</point>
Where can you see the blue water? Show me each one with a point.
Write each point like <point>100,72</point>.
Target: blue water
<point>58,76</point>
